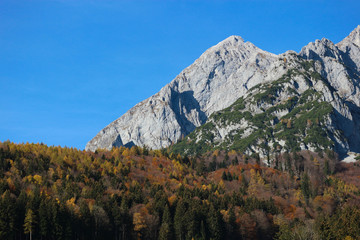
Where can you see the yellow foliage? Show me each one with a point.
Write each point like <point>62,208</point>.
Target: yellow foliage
<point>115,152</point>
<point>256,181</point>
<point>139,222</point>
<point>316,162</point>
<point>225,214</point>
<point>339,189</point>
<point>10,184</point>
<point>216,153</point>
<point>51,172</point>
<point>38,179</point>
<point>232,153</point>
<point>298,195</point>
<point>68,160</point>
<point>71,202</point>
<point>126,152</point>
<point>288,125</point>
<point>28,178</point>
<point>172,199</point>
<point>222,184</point>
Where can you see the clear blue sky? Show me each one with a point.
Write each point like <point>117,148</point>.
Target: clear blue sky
<point>70,67</point>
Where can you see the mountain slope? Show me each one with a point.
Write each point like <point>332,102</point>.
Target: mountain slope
<point>214,81</point>
<point>314,106</point>
<point>225,73</point>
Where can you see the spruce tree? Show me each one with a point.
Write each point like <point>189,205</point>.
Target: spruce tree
<point>216,224</point>
<point>166,225</point>
<point>43,219</point>
<point>7,216</point>
<point>179,223</point>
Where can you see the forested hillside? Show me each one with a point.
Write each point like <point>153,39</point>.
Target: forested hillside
<point>64,193</point>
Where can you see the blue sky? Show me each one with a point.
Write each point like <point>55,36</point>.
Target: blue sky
<point>70,67</point>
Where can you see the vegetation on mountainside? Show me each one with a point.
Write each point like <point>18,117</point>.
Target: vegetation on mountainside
<point>64,193</point>
<point>264,118</point>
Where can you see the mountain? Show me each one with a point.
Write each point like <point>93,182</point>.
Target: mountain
<point>314,106</point>
<point>237,93</point>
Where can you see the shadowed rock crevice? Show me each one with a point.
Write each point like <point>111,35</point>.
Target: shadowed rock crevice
<point>187,111</point>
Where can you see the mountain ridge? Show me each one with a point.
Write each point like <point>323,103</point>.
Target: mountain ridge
<point>220,76</point>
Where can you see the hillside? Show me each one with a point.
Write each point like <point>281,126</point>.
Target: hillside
<point>64,193</point>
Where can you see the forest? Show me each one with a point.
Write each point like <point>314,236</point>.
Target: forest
<point>51,192</point>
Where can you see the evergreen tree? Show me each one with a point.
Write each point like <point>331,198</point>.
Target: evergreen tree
<point>235,161</point>
<point>179,220</point>
<point>229,176</point>
<point>126,219</point>
<point>232,220</point>
<point>201,168</point>
<point>192,221</point>
<point>7,216</point>
<point>226,157</point>
<point>216,224</point>
<point>213,164</point>
<point>117,219</point>
<point>224,176</point>
<point>202,231</point>
<point>305,186</point>
<point>165,232</point>
<point>166,225</point>
<point>43,219</point>
<point>326,168</point>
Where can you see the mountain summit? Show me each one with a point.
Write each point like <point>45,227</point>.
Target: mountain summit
<point>214,81</point>
<point>235,90</point>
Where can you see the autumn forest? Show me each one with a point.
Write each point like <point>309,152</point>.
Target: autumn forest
<point>139,193</point>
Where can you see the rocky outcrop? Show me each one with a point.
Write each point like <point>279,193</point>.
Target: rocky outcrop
<point>227,72</point>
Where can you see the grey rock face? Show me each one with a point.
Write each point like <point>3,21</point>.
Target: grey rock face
<point>219,77</point>
<point>214,81</point>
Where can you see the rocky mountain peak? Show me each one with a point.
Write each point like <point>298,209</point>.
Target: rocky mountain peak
<point>354,38</point>
<point>233,39</point>
<point>319,49</point>
<point>231,70</point>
